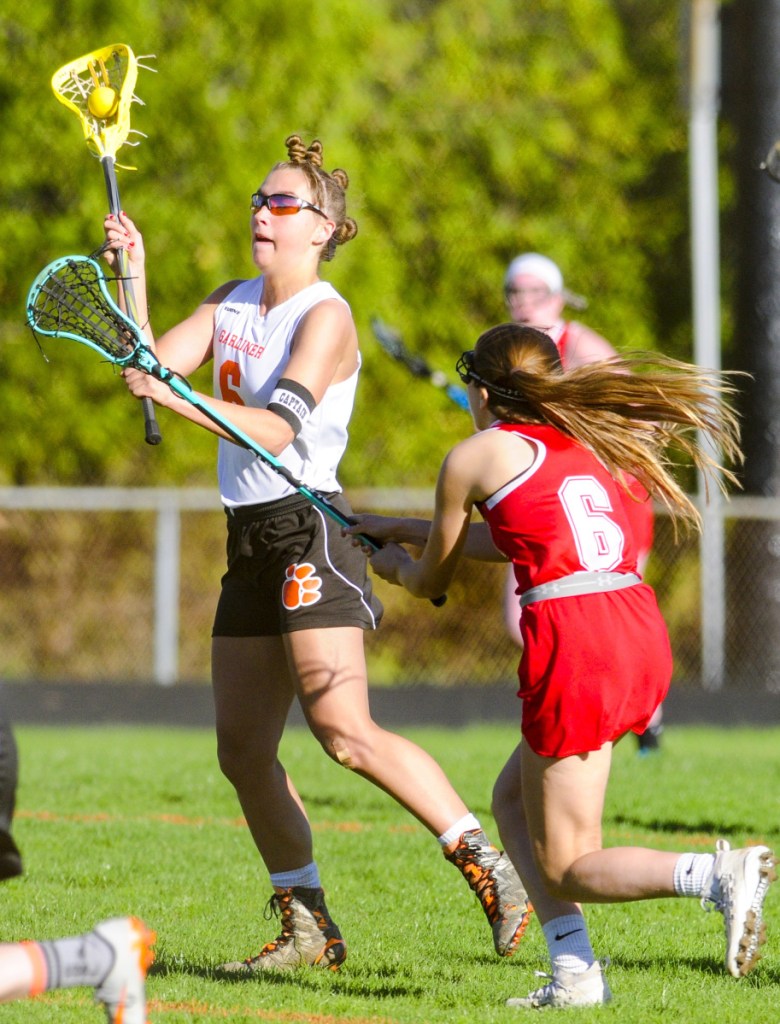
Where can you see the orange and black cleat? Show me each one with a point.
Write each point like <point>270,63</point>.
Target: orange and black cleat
<point>309,938</point>
<point>497,886</point>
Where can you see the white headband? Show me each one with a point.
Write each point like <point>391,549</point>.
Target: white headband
<point>543,268</point>
<point>538,265</point>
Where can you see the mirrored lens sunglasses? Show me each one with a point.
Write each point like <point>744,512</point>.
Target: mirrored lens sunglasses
<point>283,206</point>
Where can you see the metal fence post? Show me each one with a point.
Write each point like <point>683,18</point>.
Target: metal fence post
<point>703,145</point>
<point>166,591</point>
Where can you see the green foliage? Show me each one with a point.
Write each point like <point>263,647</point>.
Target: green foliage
<point>116,821</point>
<point>470,132</point>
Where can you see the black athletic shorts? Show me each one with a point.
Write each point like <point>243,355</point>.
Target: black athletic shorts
<point>289,568</point>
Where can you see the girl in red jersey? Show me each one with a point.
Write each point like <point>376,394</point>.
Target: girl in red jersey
<point>542,470</point>
<point>535,296</point>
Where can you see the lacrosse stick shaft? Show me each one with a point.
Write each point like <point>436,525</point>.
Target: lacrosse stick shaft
<point>392,343</point>
<point>153,435</point>
<point>457,395</point>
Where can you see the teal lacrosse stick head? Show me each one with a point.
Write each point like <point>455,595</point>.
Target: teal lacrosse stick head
<point>70,299</point>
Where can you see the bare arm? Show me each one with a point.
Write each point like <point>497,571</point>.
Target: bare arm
<point>431,574</point>
<point>324,352</point>
<point>474,469</point>
<point>586,346</point>
<point>478,546</point>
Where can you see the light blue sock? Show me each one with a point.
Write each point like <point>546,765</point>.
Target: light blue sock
<point>569,943</point>
<point>307,877</point>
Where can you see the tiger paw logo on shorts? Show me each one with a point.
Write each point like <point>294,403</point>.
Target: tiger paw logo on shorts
<point>301,587</point>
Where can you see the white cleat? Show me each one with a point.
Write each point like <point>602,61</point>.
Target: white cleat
<point>740,882</point>
<point>564,989</point>
<point>123,990</point>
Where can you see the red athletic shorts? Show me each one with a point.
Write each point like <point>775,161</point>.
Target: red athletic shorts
<point>593,668</point>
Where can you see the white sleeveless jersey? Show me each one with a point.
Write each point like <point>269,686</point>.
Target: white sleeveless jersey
<point>251,352</point>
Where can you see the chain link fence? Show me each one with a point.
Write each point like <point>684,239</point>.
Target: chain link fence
<point>121,585</point>
<point>538,153</point>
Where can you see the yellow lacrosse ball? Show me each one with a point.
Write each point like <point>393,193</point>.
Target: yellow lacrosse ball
<point>103,102</point>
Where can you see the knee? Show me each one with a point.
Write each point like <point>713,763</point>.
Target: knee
<point>341,749</point>
<point>503,799</point>
<point>507,798</point>
<point>347,748</point>
<point>554,874</point>
<point>239,759</point>
<point>229,759</point>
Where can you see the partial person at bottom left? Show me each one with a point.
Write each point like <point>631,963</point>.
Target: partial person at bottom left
<point>112,958</point>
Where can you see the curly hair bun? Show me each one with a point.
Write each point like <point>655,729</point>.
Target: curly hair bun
<point>298,153</point>
<point>341,178</point>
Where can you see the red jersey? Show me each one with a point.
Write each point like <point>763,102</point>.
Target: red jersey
<point>597,665</point>
<point>565,514</point>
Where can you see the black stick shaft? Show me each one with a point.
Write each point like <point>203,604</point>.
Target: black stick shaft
<point>153,435</point>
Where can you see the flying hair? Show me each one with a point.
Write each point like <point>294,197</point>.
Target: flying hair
<point>328,189</point>
<point>633,411</point>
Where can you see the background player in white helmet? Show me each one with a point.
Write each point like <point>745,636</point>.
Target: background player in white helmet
<point>536,296</point>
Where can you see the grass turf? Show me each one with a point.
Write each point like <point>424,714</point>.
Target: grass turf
<point>115,821</point>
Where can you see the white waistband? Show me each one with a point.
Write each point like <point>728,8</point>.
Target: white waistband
<point>580,583</point>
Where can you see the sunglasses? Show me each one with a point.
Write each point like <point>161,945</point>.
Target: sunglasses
<point>283,206</point>
<point>535,294</point>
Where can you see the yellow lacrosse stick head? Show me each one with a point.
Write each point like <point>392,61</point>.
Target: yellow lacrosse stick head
<point>98,88</point>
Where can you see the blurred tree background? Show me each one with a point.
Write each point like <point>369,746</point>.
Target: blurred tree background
<point>470,131</point>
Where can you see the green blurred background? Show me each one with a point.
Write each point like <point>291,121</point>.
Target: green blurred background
<point>470,132</point>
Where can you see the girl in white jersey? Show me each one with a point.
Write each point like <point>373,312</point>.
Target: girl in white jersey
<point>543,470</point>
<point>296,598</point>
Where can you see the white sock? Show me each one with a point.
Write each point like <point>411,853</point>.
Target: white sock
<point>569,943</point>
<point>468,823</point>
<point>307,878</point>
<point>693,874</point>
<point>77,960</point>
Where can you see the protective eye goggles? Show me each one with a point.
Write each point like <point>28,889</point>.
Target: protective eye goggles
<point>465,370</point>
<point>464,367</point>
<point>283,206</point>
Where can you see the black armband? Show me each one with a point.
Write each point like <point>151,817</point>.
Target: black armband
<point>293,402</point>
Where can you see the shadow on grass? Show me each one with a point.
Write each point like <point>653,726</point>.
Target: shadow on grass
<point>762,976</point>
<point>311,979</point>
<point>670,826</point>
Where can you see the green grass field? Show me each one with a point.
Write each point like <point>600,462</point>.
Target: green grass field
<point>114,821</point>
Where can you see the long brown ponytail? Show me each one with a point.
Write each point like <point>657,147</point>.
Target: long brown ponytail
<point>633,411</point>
